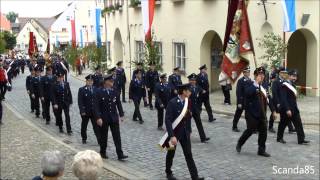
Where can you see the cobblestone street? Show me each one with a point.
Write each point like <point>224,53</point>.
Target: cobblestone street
<point>217,159</point>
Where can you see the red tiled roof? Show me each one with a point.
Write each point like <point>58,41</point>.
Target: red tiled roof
<point>4,23</point>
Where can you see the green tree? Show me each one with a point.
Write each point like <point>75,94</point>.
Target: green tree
<point>10,39</point>
<point>274,48</point>
<point>71,55</point>
<point>12,16</point>
<point>2,46</point>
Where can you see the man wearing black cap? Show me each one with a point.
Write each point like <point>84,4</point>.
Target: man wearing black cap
<point>196,92</point>
<point>116,81</point>
<point>181,133</point>
<point>241,85</point>
<point>28,88</point>
<point>106,107</point>
<point>62,99</point>
<point>162,93</point>
<point>86,96</point>
<point>46,85</point>
<point>289,110</point>
<point>152,77</point>
<point>35,90</point>
<point>203,82</point>
<point>136,93</point>
<point>255,112</point>
<point>174,81</point>
<point>122,78</point>
<point>97,77</point>
<point>143,78</point>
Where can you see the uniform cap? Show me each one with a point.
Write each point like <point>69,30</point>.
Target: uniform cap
<point>293,72</point>
<point>203,67</point>
<point>184,86</point>
<point>192,76</point>
<point>162,76</point>
<point>119,62</point>
<point>259,70</point>
<point>89,77</point>
<point>108,77</point>
<point>176,68</point>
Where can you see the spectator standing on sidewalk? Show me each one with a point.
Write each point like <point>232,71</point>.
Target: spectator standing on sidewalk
<point>87,165</point>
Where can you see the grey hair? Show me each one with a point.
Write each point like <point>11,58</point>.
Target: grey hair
<point>87,165</point>
<point>52,163</point>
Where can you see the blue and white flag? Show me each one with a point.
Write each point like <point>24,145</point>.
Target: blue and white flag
<point>81,38</point>
<point>98,16</point>
<point>289,10</point>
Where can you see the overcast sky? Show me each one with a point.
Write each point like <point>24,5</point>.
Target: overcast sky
<point>35,8</point>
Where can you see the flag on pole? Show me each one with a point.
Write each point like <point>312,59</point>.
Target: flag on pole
<point>73,32</point>
<point>289,11</point>
<point>239,49</point>
<point>31,45</point>
<point>147,7</point>
<point>81,38</point>
<point>232,8</point>
<point>98,33</point>
<point>35,44</point>
<point>48,46</point>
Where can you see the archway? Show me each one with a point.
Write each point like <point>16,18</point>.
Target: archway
<point>210,54</point>
<point>302,55</point>
<point>118,48</point>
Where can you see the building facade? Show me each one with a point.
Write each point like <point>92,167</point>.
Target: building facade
<point>4,23</point>
<point>191,33</point>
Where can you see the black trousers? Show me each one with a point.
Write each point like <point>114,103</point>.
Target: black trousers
<point>160,116</point>
<point>206,102</point>
<point>197,119</point>
<point>150,92</point>
<point>58,114</point>
<point>1,112</point>
<point>3,90</point>
<point>253,124</point>
<point>226,94</point>
<point>137,113</point>
<point>103,136</point>
<point>186,147</point>
<point>84,125</point>
<point>285,120</point>
<point>46,108</point>
<point>271,121</point>
<point>236,117</point>
<point>22,69</point>
<point>122,90</point>
<point>31,103</point>
<point>36,101</point>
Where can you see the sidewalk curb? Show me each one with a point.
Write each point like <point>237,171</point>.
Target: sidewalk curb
<point>109,165</point>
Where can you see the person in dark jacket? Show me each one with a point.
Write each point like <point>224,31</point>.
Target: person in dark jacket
<point>152,77</point>
<point>108,113</point>
<point>196,92</point>
<point>162,93</point>
<point>175,81</point>
<point>35,90</point>
<point>241,85</point>
<point>46,85</point>
<point>143,78</point>
<point>62,100</point>
<point>203,82</point>
<point>181,133</point>
<point>273,77</point>
<point>28,87</point>
<point>86,95</point>
<point>97,77</point>
<point>256,99</point>
<point>122,76</point>
<point>289,110</point>
<point>136,93</point>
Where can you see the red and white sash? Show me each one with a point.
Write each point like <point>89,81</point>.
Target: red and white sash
<point>165,140</point>
<point>290,87</point>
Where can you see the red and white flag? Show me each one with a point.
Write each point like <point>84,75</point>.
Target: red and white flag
<point>147,7</point>
<point>73,32</point>
<point>239,48</point>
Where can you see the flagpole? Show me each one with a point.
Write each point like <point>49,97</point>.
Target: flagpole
<point>284,50</point>
<point>129,37</point>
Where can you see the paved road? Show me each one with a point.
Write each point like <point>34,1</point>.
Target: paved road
<point>215,160</point>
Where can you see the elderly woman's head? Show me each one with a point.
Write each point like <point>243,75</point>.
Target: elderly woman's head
<point>87,165</point>
<point>52,164</point>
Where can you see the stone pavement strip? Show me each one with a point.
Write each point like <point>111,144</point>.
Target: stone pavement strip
<point>215,160</point>
<point>22,145</point>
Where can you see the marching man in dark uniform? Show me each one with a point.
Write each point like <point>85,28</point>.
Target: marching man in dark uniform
<point>97,77</point>
<point>273,77</point>
<point>122,76</point>
<point>174,81</point>
<point>143,77</point>
<point>196,92</point>
<point>203,83</point>
<point>86,96</point>
<point>289,110</point>
<point>241,85</point>
<point>28,88</point>
<point>35,90</point>
<point>162,93</point>
<point>182,134</point>
<point>62,99</point>
<point>136,93</point>
<point>152,77</point>
<point>108,113</point>
<point>46,85</point>
<point>256,100</point>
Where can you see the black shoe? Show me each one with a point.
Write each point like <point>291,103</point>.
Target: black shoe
<point>32,111</point>
<point>141,121</point>
<point>272,130</point>
<point>160,129</point>
<point>212,119</point>
<point>60,130</point>
<point>254,132</point>
<point>171,177</point>
<point>235,129</point>
<point>133,119</point>
<point>47,122</point>
<point>281,141</point>
<point>238,148</point>
<point>84,141</point>
<point>146,105</point>
<point>104,156</point>
<point>205,140</point>
<point>151,107</point>
<point>37,116</point>
<point>124,101</point>
<point>69,133</point>
<point>264,154</point>
<point>123,157</point>
<point>200,178</point>
<point>304,142</point>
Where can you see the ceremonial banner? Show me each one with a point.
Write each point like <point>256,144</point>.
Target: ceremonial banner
<point>289,11</point>
<point>31,45</point>
<point>98,33</point>
<point>147,8</point>
<point>73,32</point>
<point>48,46</point>
<point>81,38</point>
<point>239,47</point>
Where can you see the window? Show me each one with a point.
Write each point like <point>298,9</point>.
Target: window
<point>89,13</point>
<point>68,18</point>
<point>84,27</point>
<point>91,28</point>
<point>158,46</point>
<point>64,29</point>
<point>180,55</point>
<point>139,51</point>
